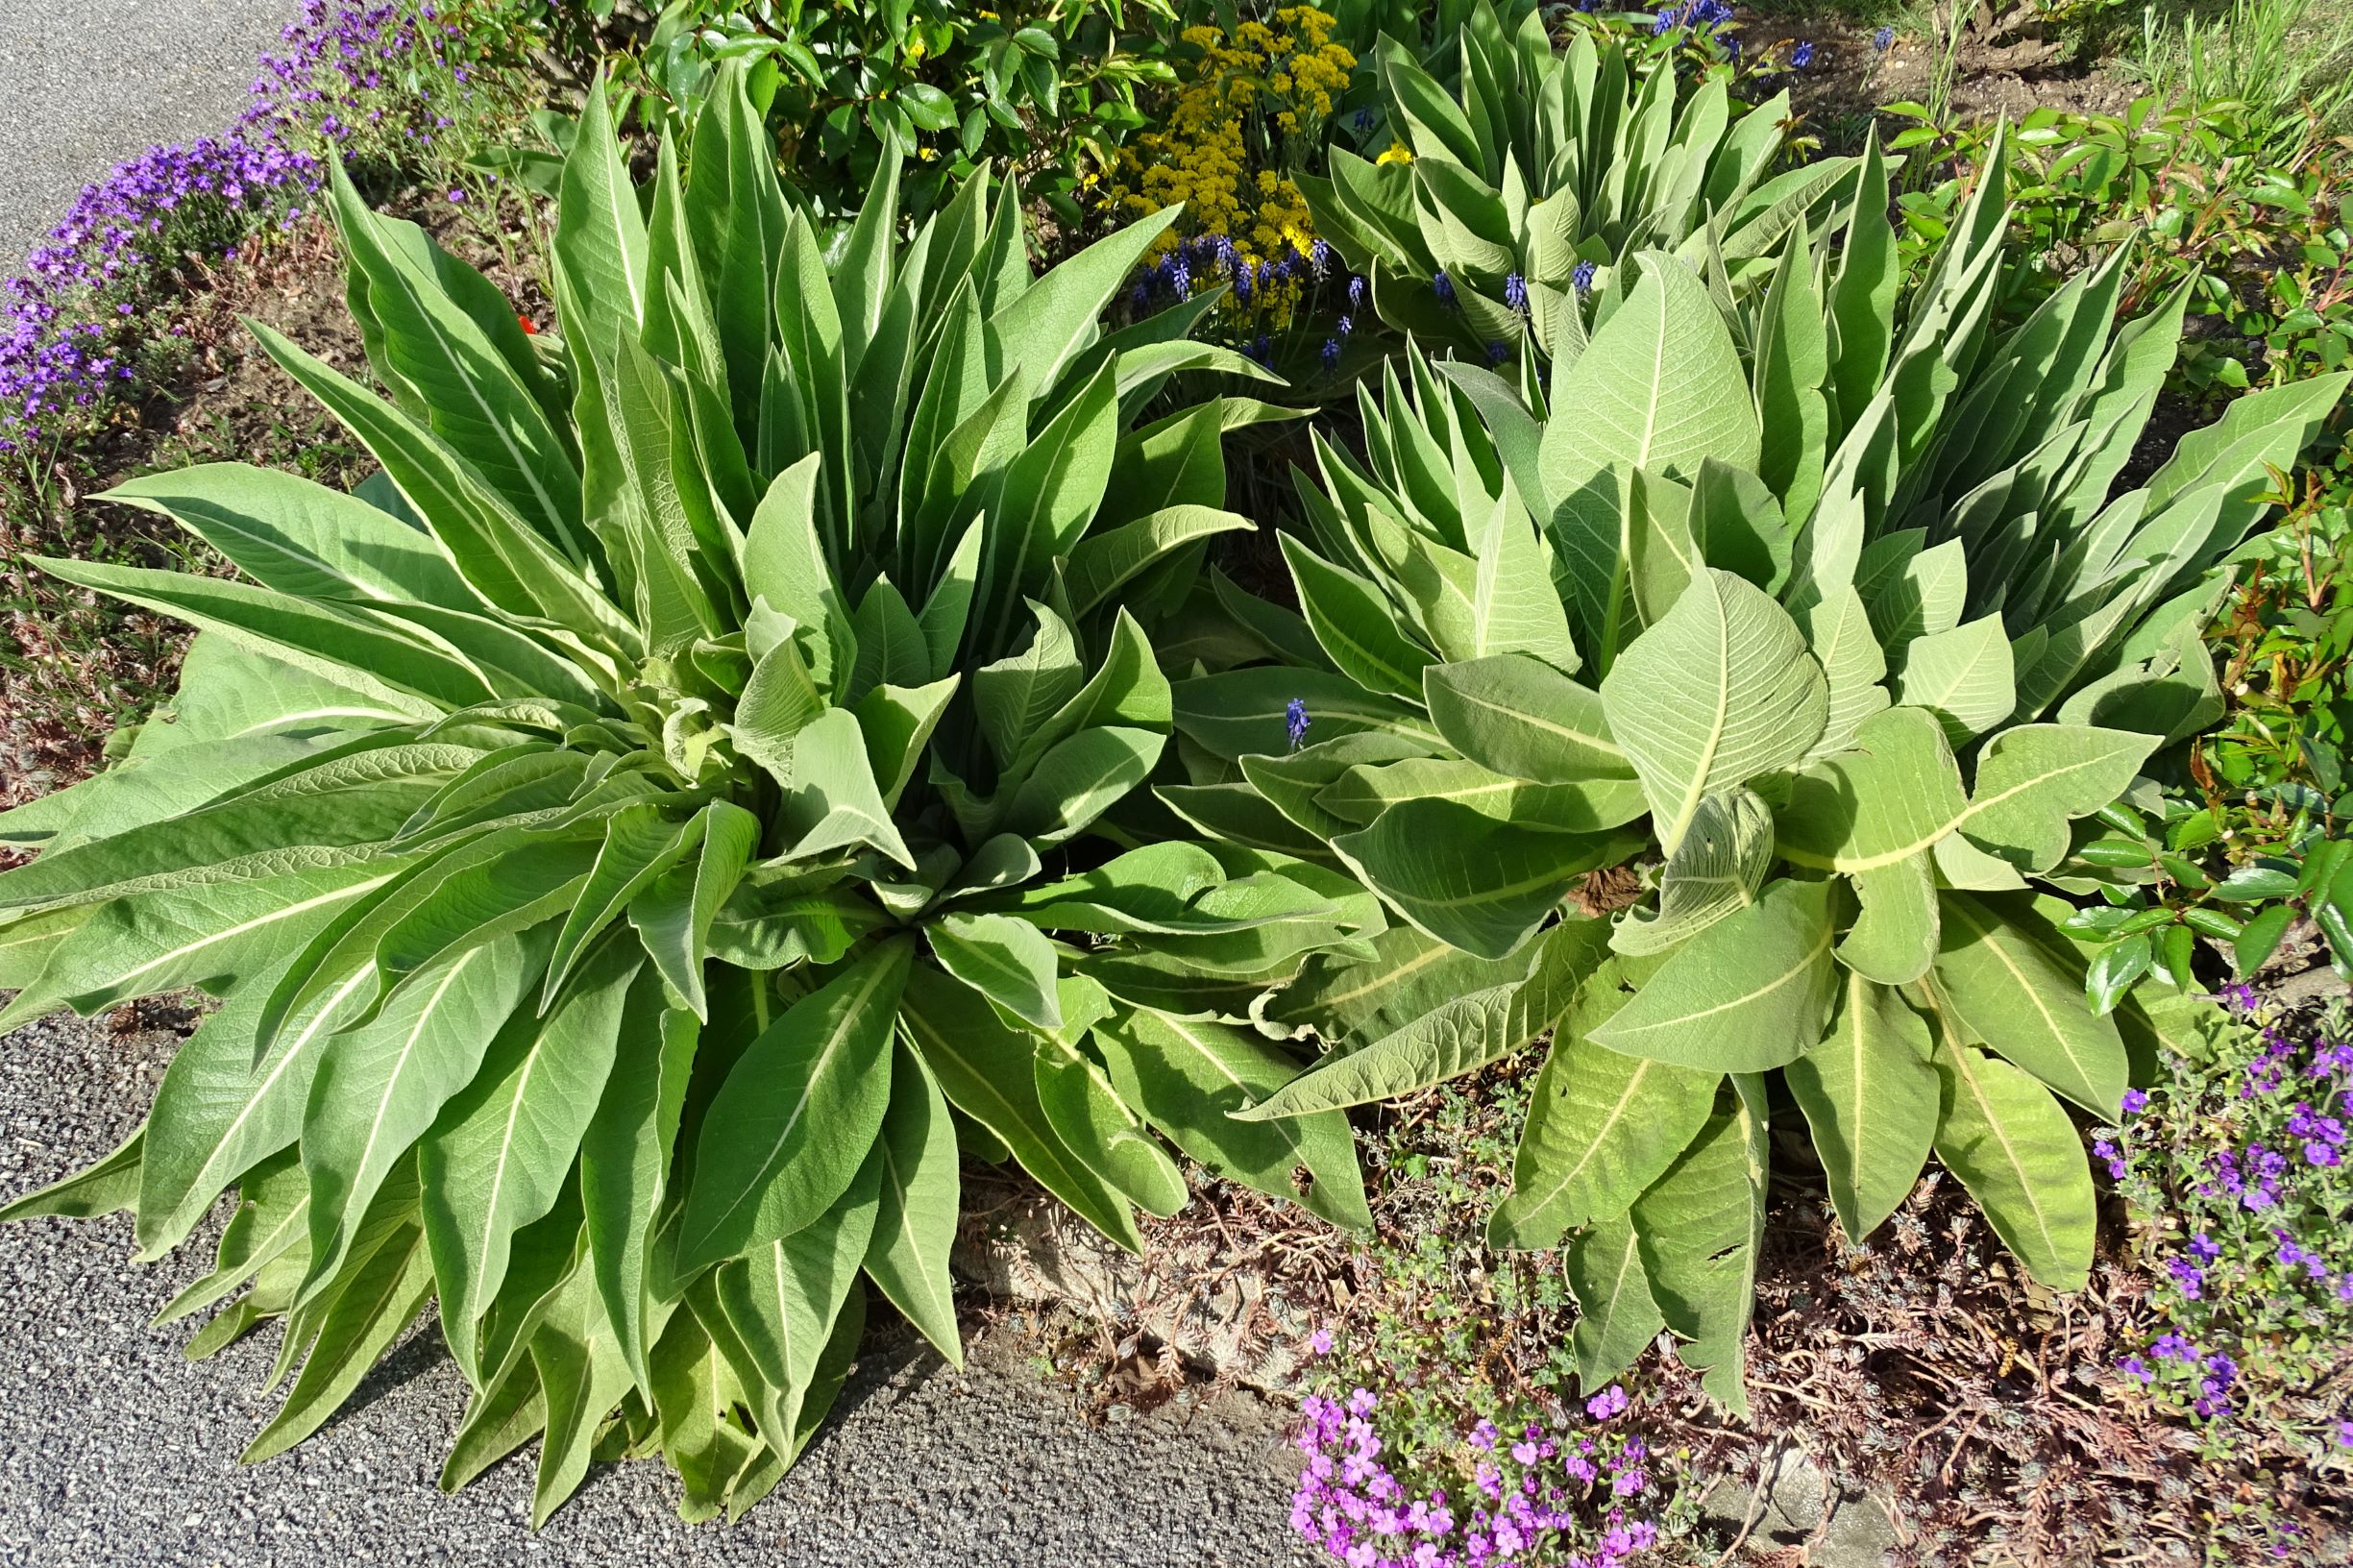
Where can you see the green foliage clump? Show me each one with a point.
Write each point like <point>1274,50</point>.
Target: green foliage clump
<point>1818,603</point>
<point>2244,212</point>
<point>2245,839</point>
<point>1047,90</point>
<point>1531,178</point>
<point>642,834</point>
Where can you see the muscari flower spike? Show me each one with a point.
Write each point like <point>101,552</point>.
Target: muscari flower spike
<point>1295,720</point>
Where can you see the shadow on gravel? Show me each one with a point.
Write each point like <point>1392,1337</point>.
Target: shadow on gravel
<point>415,1357</point>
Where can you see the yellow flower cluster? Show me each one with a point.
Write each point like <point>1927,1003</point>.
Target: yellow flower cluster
<point>1246,112</point>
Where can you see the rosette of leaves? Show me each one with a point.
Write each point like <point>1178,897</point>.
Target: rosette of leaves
<point>1538,170</point>
<point>645,833</point>
<point>1834,619</point>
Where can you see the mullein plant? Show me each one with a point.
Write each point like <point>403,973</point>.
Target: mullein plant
<point>1503,199</point>
<point>1821,609</point>
<point>642,834</point>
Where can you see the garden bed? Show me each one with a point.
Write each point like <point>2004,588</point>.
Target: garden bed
<point>1920,1394</point>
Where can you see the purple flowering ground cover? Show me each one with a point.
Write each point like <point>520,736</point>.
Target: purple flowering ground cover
<point>383,83</point>
<point>121,348</point>
<point>2236,1164</point>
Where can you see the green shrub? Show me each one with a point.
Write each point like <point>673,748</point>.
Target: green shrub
<point>1527,182</point>
<point>1047,90</point>
<point>1862,633</point>
<point>2246,837</point>
<point>2211,196</point>
<point>625,836</point>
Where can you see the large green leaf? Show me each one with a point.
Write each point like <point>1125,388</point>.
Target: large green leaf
<point>1007,960</point>
<point>1715,871</point>
<point>2003,989</point>
<point>988,1071</point>
<point>1870,1095</point>
<point>1699,1228</point>
<point>499,1154</point>
<point>1457,1036</point>
<point>210,934</point>
<point>2016,1150</point>
<point>1715,695</point>
<point>1465,878</point>
<point>1520,717</point>
<point>783,1301</point>
<point>674,912</point>
<point>796,1115</point>
<point>1356,624</point>
<point>625,1167</point>
<point>300,538</point>
<point>2033,780</point>
<point>1601,1127</point>
<point>1188,1077</point>
<point>1616,1316</point>
<point>374,1299</point>
<point>1965,676</point>
<point>915,1224</point>
<point>378,1089</point>
<point>470,395</point>
<point>1660,387</point>
<point>1351,1001</point>
<point>1750,992</point>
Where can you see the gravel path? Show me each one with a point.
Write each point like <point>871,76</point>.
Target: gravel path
<point>86,84</point>
<point>113,1451</point>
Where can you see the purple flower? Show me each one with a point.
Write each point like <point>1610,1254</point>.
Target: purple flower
<point>1443,287</point>
<point>1581,278</point>
<point>1295,721</point>
<point>1332,355</point>
<point>1356,292</point>
<point>1320,1343</point>
<point>1515,292</point>
<point>2135,1102</point>
<point>1883,39</point>
<point>1802,55</point>
<point>1498,351</point>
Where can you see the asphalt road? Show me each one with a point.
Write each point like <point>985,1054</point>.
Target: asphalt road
<point>114,1451</point>
<point>86,84</point>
